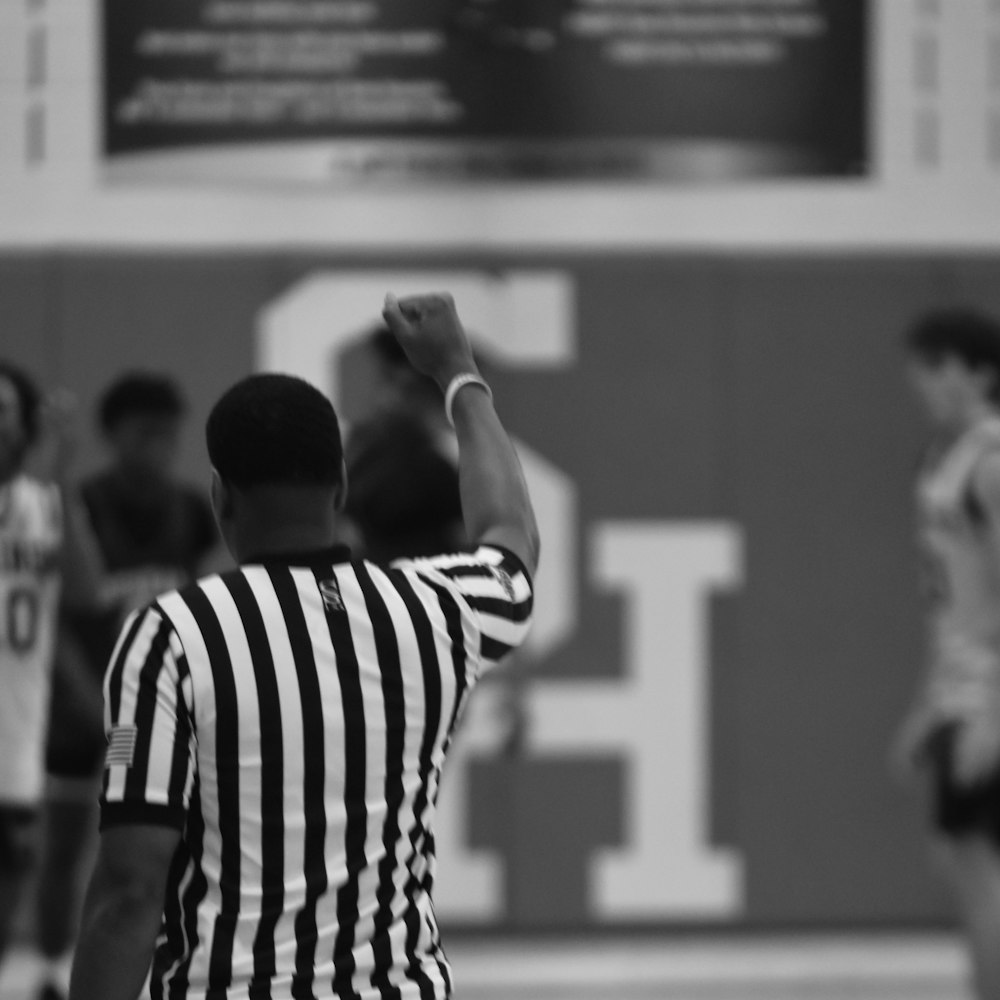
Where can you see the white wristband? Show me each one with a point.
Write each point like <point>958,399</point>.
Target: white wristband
<point>466,378</point>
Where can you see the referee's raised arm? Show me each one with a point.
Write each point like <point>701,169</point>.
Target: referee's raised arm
<point>495,503</point>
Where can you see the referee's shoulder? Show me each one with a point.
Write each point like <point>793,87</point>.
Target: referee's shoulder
<point>165,603</point>
<point>177,608</point>
<point>484,559</point>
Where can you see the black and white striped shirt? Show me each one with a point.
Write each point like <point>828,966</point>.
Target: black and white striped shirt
<point>291,717</point>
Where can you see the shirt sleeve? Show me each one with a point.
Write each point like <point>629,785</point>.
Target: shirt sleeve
<point>498,591</point>
<point>150,763</point>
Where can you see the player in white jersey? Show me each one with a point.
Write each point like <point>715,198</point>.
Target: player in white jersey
<point>954,728</point>
<point>41,548</point>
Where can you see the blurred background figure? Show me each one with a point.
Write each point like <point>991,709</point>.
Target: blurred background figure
<point>154,533</point>
<point>403,495</point>
<point>44,549</point>
<point>403,500</point>
<point>953,731</point>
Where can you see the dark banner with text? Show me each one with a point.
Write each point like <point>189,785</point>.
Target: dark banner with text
<point>392,90</point>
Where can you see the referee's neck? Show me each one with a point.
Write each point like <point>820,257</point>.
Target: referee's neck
<point>271,520</point>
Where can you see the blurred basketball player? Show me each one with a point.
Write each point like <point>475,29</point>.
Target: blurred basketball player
<point>404,499</point>
<point>44,548</point>
<point>953,731</point>
<point>402,460</point>
<point>154,534</point>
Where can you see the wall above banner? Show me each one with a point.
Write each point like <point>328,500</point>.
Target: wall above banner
<point>367,125</point>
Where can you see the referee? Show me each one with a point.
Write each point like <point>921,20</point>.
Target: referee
<point>276,733</point>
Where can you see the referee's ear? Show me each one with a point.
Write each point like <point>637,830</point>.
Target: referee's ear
<point>222,498</point>
<point>340,494</point>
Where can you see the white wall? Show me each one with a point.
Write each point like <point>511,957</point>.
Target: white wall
<point>935,179</point>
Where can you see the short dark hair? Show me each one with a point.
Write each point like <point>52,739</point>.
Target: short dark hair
<point>966,334</point>
<point>392,358</point>
<point>275,430</point>
<point>134,393</point>
<point>387,348</point>
<point>28,395</point>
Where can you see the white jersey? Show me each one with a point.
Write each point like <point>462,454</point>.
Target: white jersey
<point>962,575</point>
<point>30,537</point>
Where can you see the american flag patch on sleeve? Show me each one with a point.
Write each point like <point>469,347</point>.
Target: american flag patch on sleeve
<point>121,746</point>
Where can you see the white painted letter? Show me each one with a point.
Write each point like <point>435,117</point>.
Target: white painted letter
<point>656,717</point>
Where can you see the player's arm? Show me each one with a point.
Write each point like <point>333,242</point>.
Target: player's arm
<point>977,750</point>
<point>986,491</point>
<point>80,563</point>
<point>496,507</point>
<point>122,912</point>
<point>75,678</point>
<point>143,808</point>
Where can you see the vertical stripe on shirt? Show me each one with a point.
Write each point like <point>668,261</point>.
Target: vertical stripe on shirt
<point>356,821</point>
<point>431,679</point>
<point>313,779</point>
<point>272,828</point>
<point>301,713</point>
<point>387,656</point>
<point>228,784</point>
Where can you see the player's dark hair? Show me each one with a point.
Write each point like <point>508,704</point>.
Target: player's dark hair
<point>275,430</point>
<point>139,393</point>
<point>29,398</point>
<point>387,348</point>
<point>971,336</point>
